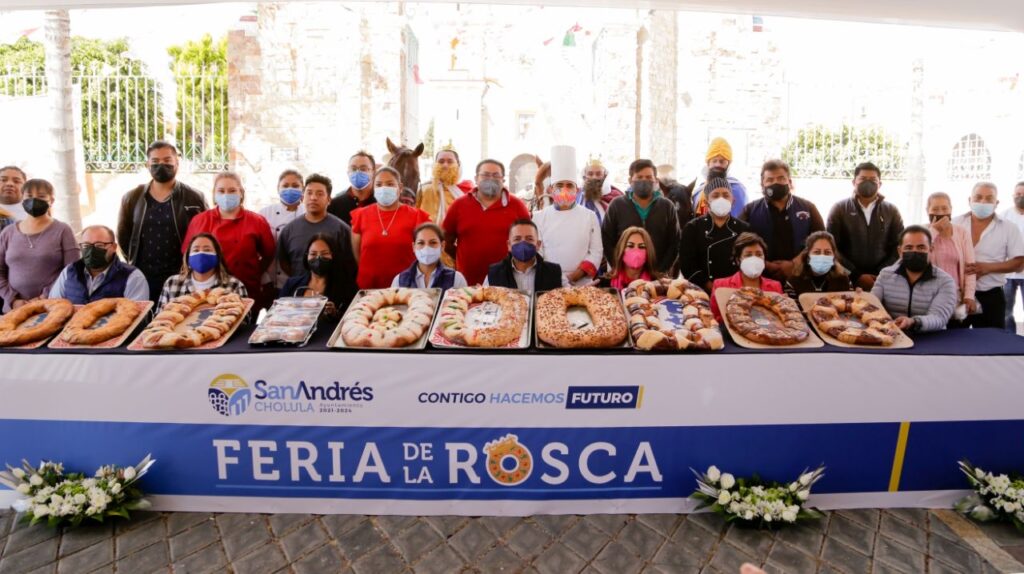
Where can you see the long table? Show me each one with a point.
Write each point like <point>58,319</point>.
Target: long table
<point>515,433</point>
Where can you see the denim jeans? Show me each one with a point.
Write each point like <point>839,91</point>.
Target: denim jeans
<point>1010,292</point>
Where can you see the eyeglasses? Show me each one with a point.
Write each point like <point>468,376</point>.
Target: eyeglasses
<point>490,175</point>
<point>104,245</point>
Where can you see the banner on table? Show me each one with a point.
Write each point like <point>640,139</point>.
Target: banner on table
<point>449,433</point>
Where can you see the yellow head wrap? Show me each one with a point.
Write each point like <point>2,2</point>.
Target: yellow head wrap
<point>719,147</point>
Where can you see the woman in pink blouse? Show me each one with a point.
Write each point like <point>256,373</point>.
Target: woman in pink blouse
<point>952,251</point>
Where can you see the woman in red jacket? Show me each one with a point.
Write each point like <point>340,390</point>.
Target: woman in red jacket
<point>748,252</point>
<point>244,236</point>
<point>382,233</point>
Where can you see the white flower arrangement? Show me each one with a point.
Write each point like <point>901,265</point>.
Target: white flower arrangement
<point>995,497</point>
<point>752,502</point>
<point>67,499</point>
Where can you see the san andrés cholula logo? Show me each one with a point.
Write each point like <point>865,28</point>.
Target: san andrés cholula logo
<point>231,396</point>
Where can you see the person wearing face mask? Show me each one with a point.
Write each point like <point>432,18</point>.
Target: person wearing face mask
<point>952,252</point>
<point>33,252</point>
<point>361,167</point>
<point>645,206</point>
<point>866,227</point>
<point>523,268</point>
<point>1014,281</point>
<point>327,274</point>
<point>11,180</point>
<point>202,269</point>
<point>717,160</point>
<point>917,294</point>
<point>99,274</point>
<point>782,219</point>
<point>154,217</point>
<point>634,259</point>
<point>438,195</point>
<point>816,270</point>
<point>382,233</point>
<point>998,250</point>
<point>749,254</point>
<point>572,236</point>
<point>476,225</point>
<point>246,241</point>
<point>279,214</point>
<point>705,249</point>
<point>597,193</point>
<point>428,270</point>
<point>293,240</point>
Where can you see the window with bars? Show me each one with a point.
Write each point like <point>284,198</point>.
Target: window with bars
<point>970,160</point>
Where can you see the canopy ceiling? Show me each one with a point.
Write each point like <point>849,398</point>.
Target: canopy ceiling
<point>977,14</point>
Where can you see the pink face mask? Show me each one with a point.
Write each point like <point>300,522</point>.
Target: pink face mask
<point>634,257</point>
<point>564,197</point>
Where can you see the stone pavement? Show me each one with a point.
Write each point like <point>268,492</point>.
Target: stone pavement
<point>855,541</point>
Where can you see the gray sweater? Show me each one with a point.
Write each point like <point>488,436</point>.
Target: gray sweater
<point>932,299</point>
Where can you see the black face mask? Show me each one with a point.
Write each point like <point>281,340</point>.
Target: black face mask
<point>1019,201</point>
<point>35,207</point>
<point>95,258</point>
<point>162,172</point>
<point>716,172</point>
<point>776,191</point>
<point>915,261</point>
<point>643,189</point>
<point>320,266</point>
<point>935,218</point>
<point>867,189</point>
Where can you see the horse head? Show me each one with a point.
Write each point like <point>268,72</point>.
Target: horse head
<point>406,161</point>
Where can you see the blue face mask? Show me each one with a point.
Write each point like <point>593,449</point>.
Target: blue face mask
<point>202,262</point>
<point>228,201</point>
<point>524,251</point>
<point>359,179</point>
<point>821,264</point>
<point>386,196</point>
<point>982,210</point>
<point>290,195</point>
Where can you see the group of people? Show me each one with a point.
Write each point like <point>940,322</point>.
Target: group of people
<point>957,271</point>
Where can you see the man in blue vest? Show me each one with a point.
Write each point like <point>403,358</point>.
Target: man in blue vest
<point>99,274</point>
<point>782,219</point>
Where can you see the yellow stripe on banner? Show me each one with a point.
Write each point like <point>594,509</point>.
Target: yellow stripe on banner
<point>897,459</point>
<point>640,396</point>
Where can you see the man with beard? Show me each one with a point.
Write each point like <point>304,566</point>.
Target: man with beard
<point>11,180</point>
<point>476,225</point>
<point>154,218</point>
<point>718,159</point>
<point>782,219</point>
<point>438,195</point>
<point>866,228</point>
<point>598,192</point>
<point>643,205</point>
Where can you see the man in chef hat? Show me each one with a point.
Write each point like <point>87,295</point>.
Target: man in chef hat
<point>571,232</point>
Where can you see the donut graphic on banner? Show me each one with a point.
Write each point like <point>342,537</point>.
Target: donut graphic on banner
<point>229,395</point>
<point>508,462</point>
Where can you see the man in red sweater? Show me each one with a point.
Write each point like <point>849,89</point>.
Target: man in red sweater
<point>476,225</point>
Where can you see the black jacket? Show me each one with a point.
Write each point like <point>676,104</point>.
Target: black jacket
<point>705,251</point>
<point>865,248</point>
<point>186,203</point>
<point>662,224</point>
<point>682,196</point>
<point>548,277</point>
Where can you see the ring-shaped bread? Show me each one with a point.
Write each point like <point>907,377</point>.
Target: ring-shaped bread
<point>508,329</point>
<point>12,334</point>
<point>793,328</point>
<point>700,330</point>
<point>162,332</point>
<point>79,330</point>
<point>372,322</point>
<point>870,324</point>
<point>608,327</point>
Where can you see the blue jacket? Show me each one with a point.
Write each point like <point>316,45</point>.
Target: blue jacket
<point>443,278</point>
<point>76,289</point>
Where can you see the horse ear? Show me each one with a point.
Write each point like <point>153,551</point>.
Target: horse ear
<point>391,146</point>
<point>419,150</point>
<point>537,159</point>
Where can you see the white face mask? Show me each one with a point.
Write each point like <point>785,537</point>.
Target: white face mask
<point>720,206</point>
<point>752,267</point>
